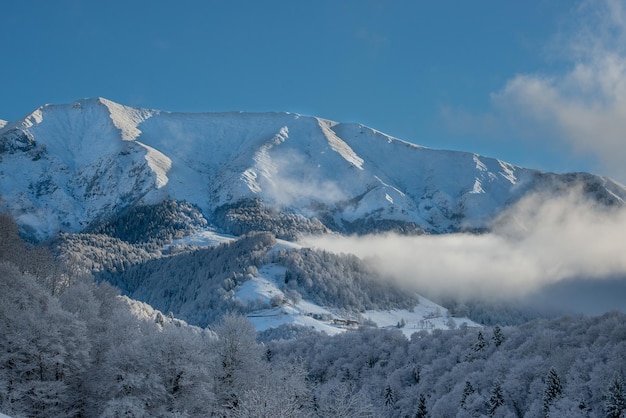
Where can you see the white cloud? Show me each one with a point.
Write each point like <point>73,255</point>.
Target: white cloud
<point>540,241</point>
<point>292,181</point>
<point>584,106</point>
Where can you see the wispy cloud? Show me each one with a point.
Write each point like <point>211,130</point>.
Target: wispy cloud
<point>290,180</point>
<point>540,241</point>
<point>584,106</point>
<point>579,108</point>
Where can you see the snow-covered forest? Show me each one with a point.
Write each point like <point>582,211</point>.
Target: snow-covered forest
<point>200,284</point>
<point>73,347</point>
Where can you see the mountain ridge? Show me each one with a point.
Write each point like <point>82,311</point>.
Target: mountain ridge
<point>65,167</point>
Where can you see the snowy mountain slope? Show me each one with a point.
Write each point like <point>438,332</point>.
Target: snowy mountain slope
<point>67,166</point>
<point>64,166</point>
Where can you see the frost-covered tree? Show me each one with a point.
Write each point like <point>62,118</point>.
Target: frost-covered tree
<point>496,399</point>
<point>480,342</point>
<point>422,410</point>
<point>390,397</point>
<point>43,350</point>
<point>126,371</point>
<point>467,391</point>
<point>281,391</point>
<point>181,357</point>
<point>238,360</point>
<point>341,281</point>
<point>552,391</point>
<point>615,401</point>
<point>498,336</point>
<point>152,226</point>
<point>11,246</point>
<point>342,400</point>
<point>249,215</point>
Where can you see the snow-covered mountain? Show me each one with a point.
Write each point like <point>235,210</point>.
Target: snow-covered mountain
<point>193,218</point>
<point>64,167</point>
<point>132,186</point>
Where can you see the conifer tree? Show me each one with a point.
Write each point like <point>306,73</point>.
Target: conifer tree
<point>496,400</point>
<point>422,411</point>
<point>389,397</point>
<point>467,391</point>
<point>614,401</point>
<point>498,336</point>
<point>480,344</point>
<point>552,391</point>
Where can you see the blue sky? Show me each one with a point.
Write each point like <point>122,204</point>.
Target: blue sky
<point>539,83</point>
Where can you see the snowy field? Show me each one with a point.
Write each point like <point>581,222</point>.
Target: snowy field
<point>202,238</point>
<point>264,288</point>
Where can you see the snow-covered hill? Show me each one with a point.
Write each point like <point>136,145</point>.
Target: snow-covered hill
<point>275,308</point>
<point>424,316</point>
<point>67,166</point>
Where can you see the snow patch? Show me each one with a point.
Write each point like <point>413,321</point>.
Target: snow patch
<point>340,146</point>
<point>3,123</point>
<point>258,289</point>
<point>425,316</point>
<point>249,178</point>
<point>263,163</point>
<point>264,290</point>
<point>34,118</point>
<point>508,172</point>
<point>479,164</point>
<point>146,312</point>
<point>159,163</point>
<point>389,186</point>
<point>202,238</point>
<point>126,119</point>
<point>478,187</point>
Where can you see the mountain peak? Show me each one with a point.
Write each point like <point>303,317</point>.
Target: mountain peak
<point>66,166</point>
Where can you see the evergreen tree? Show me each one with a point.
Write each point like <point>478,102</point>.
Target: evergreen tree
<point>422,411</point>
<point>614,401</point>
<point>552,391</point>
<point>496,400</point>
<point>415,373</point>
<point>390,398</point>
<point>480,343</point>
<point>498,336</point>
<point>467,391</point>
